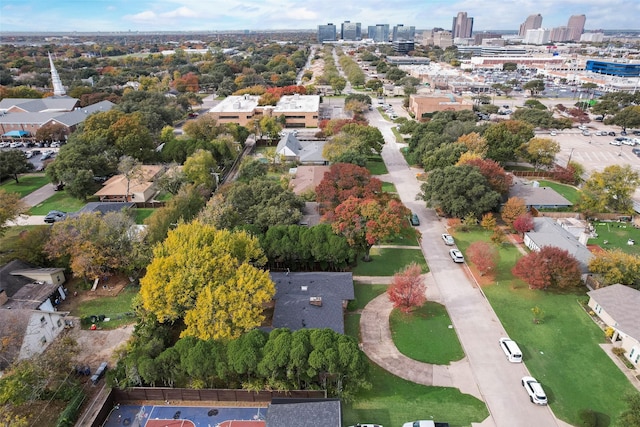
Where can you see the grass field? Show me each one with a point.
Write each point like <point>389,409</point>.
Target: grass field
<point>28,184</point>
<point>60,201</point>
<point>376,166</point>
<point>115,308</point>
<point>402,241</point>
<point>617,234</point>
<point>142,213</point>
<point>568,192</point>
<point>364,293</point>
<point>389,187</point>
<point>425,334</point>
<point>562,352</point>
<point>388,261</point>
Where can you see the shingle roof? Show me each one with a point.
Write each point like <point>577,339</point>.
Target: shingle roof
<point>67,118</point>
<point>548,232</point>
<point>537,196</point>
<point>104,207</point>
<point>13,326</point>
<point>622,303</point>
<point>304,414</point>
<point>294,291</point>
<point>305,151</point>
<point>52,103</point>
<point>10,283</point>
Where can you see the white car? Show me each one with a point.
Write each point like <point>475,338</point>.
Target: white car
<point>448,240</point>
<point>420,423</point>
<point>456,255</point>
<point>511,350</point>
<point>614,142</point>
<point>582,127</point>
<point>534,390</point>
<point>553,133</point>
<point>628,141</point>
<point>366,425</point>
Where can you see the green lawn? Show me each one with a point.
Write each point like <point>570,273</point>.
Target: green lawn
<point>388,261</point>
<point>376,166</point>
<point>562,352</point>
<point>426,334</point>
<point>164,196</point>
<point>568,192</point>
<point>142,213</point>
<point>28,184</point>
<point>364,293</point>
<point>60,201</point>
<point>389,187</point>
<point>616,234</point>
<point>402,241</point>
<point>116,308</point>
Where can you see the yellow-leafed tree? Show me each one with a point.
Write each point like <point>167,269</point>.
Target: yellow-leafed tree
<point>210,278</point>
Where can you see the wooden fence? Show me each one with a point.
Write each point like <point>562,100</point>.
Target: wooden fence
<point>210,395</point>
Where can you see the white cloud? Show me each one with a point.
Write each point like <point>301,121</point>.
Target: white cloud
<point>181,12</point>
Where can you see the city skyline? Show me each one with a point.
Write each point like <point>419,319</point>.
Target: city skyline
<point>213,15</point>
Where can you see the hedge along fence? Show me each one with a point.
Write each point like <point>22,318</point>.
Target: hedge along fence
<point>69,416</point>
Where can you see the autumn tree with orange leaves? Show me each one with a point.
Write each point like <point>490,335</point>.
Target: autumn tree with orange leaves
<point>484,256</point>
<point>549,267</point>
<point>408,289</point>
<point>344,180</point>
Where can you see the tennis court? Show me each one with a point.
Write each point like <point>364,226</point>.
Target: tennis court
<point>185,416</point>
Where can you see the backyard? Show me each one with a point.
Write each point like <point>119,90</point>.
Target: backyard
<point>389,261</point>
<point>562,351</point>
<point>615,234</point>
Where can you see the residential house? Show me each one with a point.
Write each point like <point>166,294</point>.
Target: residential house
<point>547,232</point>
<point>304,413</point>
<point>291,149</point>
<point>421,105</point>
<point>311,300</point>
<point>538,197</point>
<point>137,189</point>
<point>29,321</point>
<point>306,178</point>
<point>618,306</point>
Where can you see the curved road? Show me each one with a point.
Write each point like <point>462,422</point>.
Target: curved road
<point>476,323</point>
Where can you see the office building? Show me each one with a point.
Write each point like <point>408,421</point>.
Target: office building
<point>402,33</point>
<point>350,31</point>
<point>537,36</point>
<point>618,69</point>
<point>403,47</point>
<point>379,33</point>
<point>533,22</point>
<point>478,38</point>
<point>576,27</point>
<point>462,26</point>
<point>592,37</point>
<point>326,33</point>
<point>559,34</point>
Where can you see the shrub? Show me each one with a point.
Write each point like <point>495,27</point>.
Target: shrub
<point>609,331</point>
<point>68,417</point>
<point>618,351</point>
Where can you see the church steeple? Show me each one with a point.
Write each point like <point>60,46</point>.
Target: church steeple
<point>58,89</point>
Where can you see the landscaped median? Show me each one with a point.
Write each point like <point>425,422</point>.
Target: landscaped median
<point>561,350</point>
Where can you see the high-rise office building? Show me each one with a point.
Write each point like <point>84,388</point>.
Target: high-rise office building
<point>537,36</point>
<point>402,33</point>
<point>533,22</point>
<point>350,31</point>
<point>576,27</point>
<point>379,33</point>
<point>326,33</point>
<point>559,34</point>
<point>462,26</point>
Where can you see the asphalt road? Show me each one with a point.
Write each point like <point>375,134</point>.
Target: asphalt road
<point>476,323</point>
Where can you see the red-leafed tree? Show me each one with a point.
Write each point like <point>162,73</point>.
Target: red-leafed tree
<point>523,223</point>
<point>344,180</point>
<point>367,222</point>
<point>512,209</point>
<point>484,256</point>
<point>548,267</point>
<point>497,178</point>
<point>408,289</point>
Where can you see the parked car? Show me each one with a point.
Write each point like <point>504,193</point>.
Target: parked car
<point>511,350</point>
<point>424,423</point>
<point>99,373</point>
<point>636,151</point>
<point>534,390</point>
<point>628,141</point>
<point>448,240</point>
<point>366,425</point>
<point>553,133</point>
<point>456,255</point>
<point>614,142</point>
<point>611,133</point>
<point>415,221</point>
<point>54,216</point>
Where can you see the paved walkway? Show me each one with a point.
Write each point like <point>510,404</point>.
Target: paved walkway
<point>33,199</point>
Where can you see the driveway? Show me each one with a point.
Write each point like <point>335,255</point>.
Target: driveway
<point>476,324</point>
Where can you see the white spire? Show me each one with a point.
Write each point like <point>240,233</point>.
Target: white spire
<point>58,89</point>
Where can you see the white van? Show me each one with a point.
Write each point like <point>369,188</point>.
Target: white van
<point>511,350</point>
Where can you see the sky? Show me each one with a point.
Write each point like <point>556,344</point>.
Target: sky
<point>221,15</point>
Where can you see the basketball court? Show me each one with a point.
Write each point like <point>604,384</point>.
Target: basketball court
<point>185,416</point>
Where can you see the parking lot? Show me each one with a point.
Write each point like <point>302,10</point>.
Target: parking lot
<point>35,154</point>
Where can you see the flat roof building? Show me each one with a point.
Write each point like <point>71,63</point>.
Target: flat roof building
<point>326,33</point>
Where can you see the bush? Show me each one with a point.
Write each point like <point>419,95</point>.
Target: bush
<point>609,332</point>
<point>68,417</point>
<point>588,418</point>
<point>618,351</point>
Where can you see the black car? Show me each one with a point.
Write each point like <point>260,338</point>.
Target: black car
<point>612,134</point>
<point>54,216</point>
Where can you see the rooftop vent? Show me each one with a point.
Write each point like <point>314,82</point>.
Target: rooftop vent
<point>317,301</point>
<point>304,288</point>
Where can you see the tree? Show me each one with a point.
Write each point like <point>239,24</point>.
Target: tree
<point>631,416</point>
<point>504,138</point>
<point>338,84</point>
<point>78,183</point>
<point>131,170</point>
<point>548,267</point>
<point>628,117</point>
<point>210,279</point>
<point>198,169</point>
<point>12,163</point>
<point>475,143</point>
<point>97,245</point>
<point>534,86</point>
<point>52,132</point>
<point>458,191</point>
<point>512,209</point>
<point>408,289</point>
<point>344,180</point>
<point>10,208</point>
<point>523,223</point>
<point>484,256</point>
<point>540,152</point>
<point>616,266</point>
<point>496,176</point>
<point>609,190</point>
<point>366,222</point>
<point>488,221</point>
<point>172,180</point>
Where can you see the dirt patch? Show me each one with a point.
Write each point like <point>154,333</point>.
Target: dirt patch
<point>100,345</point>
<point>78,294</point>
